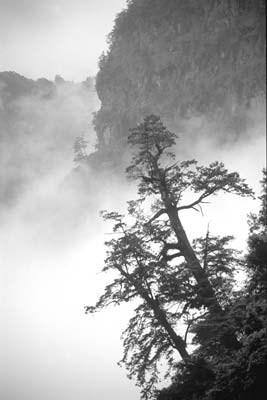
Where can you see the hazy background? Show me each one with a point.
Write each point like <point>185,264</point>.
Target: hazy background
<point>51,236</point>
<point>45,38</point>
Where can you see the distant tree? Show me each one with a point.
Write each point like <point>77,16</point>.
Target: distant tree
<point>156,263</point>
<point>80,149</point>
<point>59,80</point>
<point>89,83</point>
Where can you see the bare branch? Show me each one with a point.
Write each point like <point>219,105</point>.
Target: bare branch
<point>171,256</point>
<point>194,203</point>
<point>157,215</point>
<point>205,261</point>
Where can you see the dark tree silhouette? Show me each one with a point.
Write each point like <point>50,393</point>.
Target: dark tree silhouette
<point>257,256</point>
<point>157,264</point>
<point>80,149</point>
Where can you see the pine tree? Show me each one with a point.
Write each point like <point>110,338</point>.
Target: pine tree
<point>157,264</point>
<point>80,149</point>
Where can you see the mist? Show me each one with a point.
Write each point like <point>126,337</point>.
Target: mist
<point>39,122</point>
<point>242,150</point>
<point>52,247</point>
<point>44,38</point>
<point>51,252</point>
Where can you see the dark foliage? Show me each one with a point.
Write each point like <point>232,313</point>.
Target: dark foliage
<point>240,374</point>
<point>184,292</point>
<point>257,256</point>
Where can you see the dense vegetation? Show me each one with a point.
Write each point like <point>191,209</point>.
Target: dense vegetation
<point>178,58</point>
<point>186,293</point>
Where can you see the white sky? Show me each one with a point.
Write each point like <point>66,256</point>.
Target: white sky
<point>42,38</point>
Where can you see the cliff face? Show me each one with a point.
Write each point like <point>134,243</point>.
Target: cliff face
<point>39,121</point>
<point>179,59</point>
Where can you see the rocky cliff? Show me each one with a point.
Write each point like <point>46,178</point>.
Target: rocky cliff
<point>179,59</point>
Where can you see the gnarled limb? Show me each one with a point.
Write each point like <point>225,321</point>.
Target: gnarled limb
<point>156,216</point>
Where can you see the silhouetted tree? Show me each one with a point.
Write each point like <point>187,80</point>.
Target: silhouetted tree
<point>157,264</point>
<point>80,149</point>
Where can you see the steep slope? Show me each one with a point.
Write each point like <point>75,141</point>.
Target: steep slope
<point>180,59</point>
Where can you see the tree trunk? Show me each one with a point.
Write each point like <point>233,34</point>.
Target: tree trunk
<point>206,290</point>
<point>176,340</point>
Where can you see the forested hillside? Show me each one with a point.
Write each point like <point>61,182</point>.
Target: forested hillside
<point>38,123</point>
<point>179,59</point>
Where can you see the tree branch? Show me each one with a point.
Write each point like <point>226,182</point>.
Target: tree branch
<point>194,203</point>
<point>171,256</point>
<point>157,215</point>
<point>190,324</point>
<point>170,246</point>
